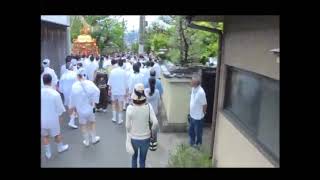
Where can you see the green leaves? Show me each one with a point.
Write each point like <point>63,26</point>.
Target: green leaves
<point>109,32</point>
<point>187,156</point>
<point>201,44</point>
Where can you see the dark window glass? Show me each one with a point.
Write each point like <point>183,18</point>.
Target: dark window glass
<point>253,101</point>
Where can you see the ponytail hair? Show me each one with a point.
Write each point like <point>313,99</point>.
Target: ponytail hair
<point>152,84</point>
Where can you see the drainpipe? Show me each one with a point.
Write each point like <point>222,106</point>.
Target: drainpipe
<point>216,91</point>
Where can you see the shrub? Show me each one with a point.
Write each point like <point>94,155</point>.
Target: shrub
<point>187,156</point>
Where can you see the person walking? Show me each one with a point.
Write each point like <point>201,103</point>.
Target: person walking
<point>118,89</point>
<point>198,107</point>
<point>139,117</point>
<point>135,78</point>
<point>83,97</point>
<point>48,70</point>
<point>51,108</point>
<point>158,82</point>
<point>65,86</point>
<point>91,69</point>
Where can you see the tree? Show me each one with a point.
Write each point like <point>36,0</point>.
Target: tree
<point>108,32</point>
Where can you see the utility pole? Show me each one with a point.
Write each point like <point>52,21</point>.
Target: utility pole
<point>141,34</point>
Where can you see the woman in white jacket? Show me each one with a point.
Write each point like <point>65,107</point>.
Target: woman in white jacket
<point>138,117</point>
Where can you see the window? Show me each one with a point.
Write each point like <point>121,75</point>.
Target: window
<point>252,101</point>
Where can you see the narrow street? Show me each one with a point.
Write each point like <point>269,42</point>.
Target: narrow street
<point>110,151</point>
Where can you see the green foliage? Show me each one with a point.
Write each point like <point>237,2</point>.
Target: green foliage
<point>135,47</point>
<point>109,32</point>
<point>187,156</point>
<point>201,44</point>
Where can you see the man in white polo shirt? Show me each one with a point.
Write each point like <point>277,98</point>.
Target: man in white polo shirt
<point>198,107</point>
<point>118,87</point>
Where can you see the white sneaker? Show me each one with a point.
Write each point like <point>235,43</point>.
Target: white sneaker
<point>96,140</point>
<point>63,148</point>
<point>104,110</point>
<point>73,125</point>
<point>86,142</point>
<point>48,155</point>
<point>120,121</point>
<point>114,120</point>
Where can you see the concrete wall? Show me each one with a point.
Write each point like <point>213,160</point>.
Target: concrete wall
<point>54,44</point>
<point>233,149</point>
<point>176,98</point>
<point>246,44</point>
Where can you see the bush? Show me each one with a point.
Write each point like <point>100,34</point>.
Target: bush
<point>187,156</point>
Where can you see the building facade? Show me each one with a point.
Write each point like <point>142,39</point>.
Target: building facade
<point>55,40</point>
<point>246,132</point>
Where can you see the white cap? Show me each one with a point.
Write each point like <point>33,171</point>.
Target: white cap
<point>46,63</point>
<point>81,72</point>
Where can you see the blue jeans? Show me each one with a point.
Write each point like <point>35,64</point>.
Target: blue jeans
<point>195,131</point>
<point>143,146</point>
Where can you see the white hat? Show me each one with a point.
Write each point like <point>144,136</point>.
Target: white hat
<point>81,72</point>
<point>46,62</point>
<point>138,91</point>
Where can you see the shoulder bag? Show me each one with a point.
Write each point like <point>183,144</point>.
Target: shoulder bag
<point>84,89</point>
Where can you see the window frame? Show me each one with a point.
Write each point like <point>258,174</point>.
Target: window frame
<point>240,125</point>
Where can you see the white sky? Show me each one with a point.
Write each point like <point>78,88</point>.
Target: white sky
<point>133,21</point>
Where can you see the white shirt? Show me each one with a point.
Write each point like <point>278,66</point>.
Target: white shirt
<point>86,62</point>
<point>146,73</point>
<point>54,77</point>
<point>137,118</point>
<point>63,69</point>
<point>154,100</point>
<point>134,79</point>
<point>83,99</point>
<point>51,108</point>
<point>90,69</point>
<point>118,81</point>
<point>157,69</point>
<point>197,101</point>
<point>65,85</point>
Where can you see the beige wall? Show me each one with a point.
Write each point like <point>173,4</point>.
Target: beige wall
<point>246,44</point>
<point>176,98</point>
<point>233,149</point>
<point>248,41</point>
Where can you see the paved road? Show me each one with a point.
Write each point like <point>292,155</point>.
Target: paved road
<point>110,151</point>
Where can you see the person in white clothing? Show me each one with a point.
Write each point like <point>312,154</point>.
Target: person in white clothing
<point>118,88</point>
<point>66,82</point>
<point>198,107</point>
<point>157,68</point>
<point>51,109</point>
<point>84,95</point>
<point>63,68</point>
<point>47,69</point>
<point>145,71</point>
<point>137,125</point>
<point>91,69</point>
<point>135,78</point>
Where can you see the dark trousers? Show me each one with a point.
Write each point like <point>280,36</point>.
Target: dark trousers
<point>141,146</point>
<point>195,131</point>
<point>103,100</point>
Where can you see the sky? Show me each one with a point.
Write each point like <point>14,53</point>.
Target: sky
<point>133,21</point>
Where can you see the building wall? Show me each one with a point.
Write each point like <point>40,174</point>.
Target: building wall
<point>54,44</point>
<point>233,149</point>
<point>246,44</point>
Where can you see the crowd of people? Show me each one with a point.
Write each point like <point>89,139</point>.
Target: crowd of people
<point>86,86</point>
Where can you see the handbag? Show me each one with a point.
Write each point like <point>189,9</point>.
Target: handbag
<point>84,89</point>
<point>129,147</point>
<point>153,141</point>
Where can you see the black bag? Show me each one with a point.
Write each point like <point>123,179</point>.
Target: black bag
<point>153,141</point>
